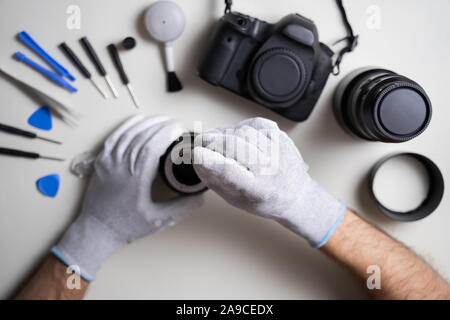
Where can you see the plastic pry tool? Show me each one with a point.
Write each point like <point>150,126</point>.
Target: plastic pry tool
<point>26,38</point>
<point>56,78</point>
<point>41,119</point>
<point>49,185</point>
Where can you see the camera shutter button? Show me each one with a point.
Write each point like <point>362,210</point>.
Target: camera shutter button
<point>278,75</point>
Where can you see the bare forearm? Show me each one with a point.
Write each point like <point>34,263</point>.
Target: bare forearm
<point>358,245</point>
<point>52,282</point>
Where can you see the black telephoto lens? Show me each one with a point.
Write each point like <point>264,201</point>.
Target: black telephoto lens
<point>380,105</point>
<point>176,167</point>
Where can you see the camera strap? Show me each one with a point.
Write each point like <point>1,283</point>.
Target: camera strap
<point>351,38</point>
<point>228,4</point>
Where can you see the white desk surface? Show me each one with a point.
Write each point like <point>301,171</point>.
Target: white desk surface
<point>218,252</point>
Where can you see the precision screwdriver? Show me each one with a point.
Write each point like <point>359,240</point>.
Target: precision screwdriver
<point>98,64</point>
<point>26,154</point>
<point>23,133</point>
<point>80,66</point>
<point>123,76</point>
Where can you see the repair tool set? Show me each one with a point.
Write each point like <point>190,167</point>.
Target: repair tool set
<point>42,118</point>
<point>283,67</point>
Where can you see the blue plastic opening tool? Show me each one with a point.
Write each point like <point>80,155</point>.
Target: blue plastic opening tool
<point>26,38</point>
<point>49,185</point>
<point>80,66</point>
<point>98,64</point>
<point>56,78</point>
<point>41,119</point>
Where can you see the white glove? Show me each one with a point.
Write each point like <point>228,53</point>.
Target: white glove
<point>256,167</point>
<point>118,208</point>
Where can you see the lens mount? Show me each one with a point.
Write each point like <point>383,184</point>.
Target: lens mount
<point>278,76</point>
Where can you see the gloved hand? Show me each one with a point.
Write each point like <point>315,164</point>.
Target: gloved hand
<point>118,208</point>
<point>256,167</point>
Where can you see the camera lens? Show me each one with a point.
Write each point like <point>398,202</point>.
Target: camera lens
<point>380,105</point>
<point>176,167</point>
<point>185,173</point>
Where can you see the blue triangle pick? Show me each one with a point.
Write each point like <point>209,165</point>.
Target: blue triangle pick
<point>41,119</point>
<point>49,185</point>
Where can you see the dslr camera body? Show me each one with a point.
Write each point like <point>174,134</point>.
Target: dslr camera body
<point>281,66</point>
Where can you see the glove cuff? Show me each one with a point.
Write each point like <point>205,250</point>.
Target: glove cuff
<point>315,215</point>
<point>87,244</point>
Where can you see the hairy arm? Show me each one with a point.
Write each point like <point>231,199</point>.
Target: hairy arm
<point>117,208</point>
<point>50,282</point>
<point>358,245</point>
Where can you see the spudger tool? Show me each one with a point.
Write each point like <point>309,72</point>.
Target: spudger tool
<point>26,38</point>
<point>56,78</point>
